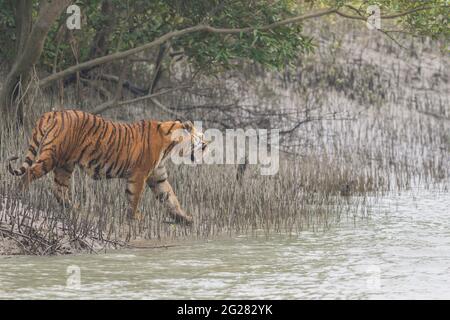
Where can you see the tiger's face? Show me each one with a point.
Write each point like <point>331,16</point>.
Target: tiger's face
<point>183,139</point>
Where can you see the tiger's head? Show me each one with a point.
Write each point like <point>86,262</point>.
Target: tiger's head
<point>182,139</point>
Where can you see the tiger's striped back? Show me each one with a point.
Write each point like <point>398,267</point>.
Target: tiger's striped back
<point>105,149</point>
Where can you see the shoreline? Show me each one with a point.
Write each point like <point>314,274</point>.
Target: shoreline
<point>25,231</point>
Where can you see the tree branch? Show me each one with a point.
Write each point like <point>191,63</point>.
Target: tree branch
<point>121,55</point>
<point>113,104</point>
<point>385,17</point>
<point>206,28</point>
<point>167,110</point>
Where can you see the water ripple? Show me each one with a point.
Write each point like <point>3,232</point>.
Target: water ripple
<point>401,251</point>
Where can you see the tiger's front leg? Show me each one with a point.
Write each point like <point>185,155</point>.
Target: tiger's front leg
<point>164,193</point>
<point>61,187</point>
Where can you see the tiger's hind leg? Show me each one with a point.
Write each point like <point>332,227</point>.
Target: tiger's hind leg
<point>135,187</point>
<point>61,187</point>
<point>43,165</point>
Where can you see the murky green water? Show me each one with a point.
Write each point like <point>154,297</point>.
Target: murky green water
<point>401,251</point>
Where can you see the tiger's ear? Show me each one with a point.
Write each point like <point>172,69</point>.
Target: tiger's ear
<point>167,128</point>
<point>188,125</point>
<point>160,128</point>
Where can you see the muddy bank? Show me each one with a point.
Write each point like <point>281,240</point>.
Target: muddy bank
<point>27,231</point>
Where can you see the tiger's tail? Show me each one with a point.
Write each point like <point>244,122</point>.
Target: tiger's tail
<point>29,159</point>
<point>33,148</point>
<point>15,172</point>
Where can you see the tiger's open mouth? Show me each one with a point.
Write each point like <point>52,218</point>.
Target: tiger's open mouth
<point>193,146</point>
<point>193,150</point>
<point>198,147</point>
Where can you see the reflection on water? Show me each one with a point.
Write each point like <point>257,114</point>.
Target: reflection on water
<point>401,251</point>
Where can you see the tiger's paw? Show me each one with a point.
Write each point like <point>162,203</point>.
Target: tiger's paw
<point>189,220</point>
<point>138,216</point>
<point>76,206</point>
<point>186,220</point>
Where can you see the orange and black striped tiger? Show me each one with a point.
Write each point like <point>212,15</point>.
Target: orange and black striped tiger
<point>106,149</point>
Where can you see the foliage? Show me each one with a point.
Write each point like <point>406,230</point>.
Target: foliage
<point>7,35</point>
<point>432,22</point>
<point>133,23</point>
<point>274,48</point>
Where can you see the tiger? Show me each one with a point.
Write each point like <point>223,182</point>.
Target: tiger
<point>105,149</point>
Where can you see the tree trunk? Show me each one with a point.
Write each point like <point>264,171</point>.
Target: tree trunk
<point>31,47</point>
<point>24,21</point>
<point>99,45</point>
